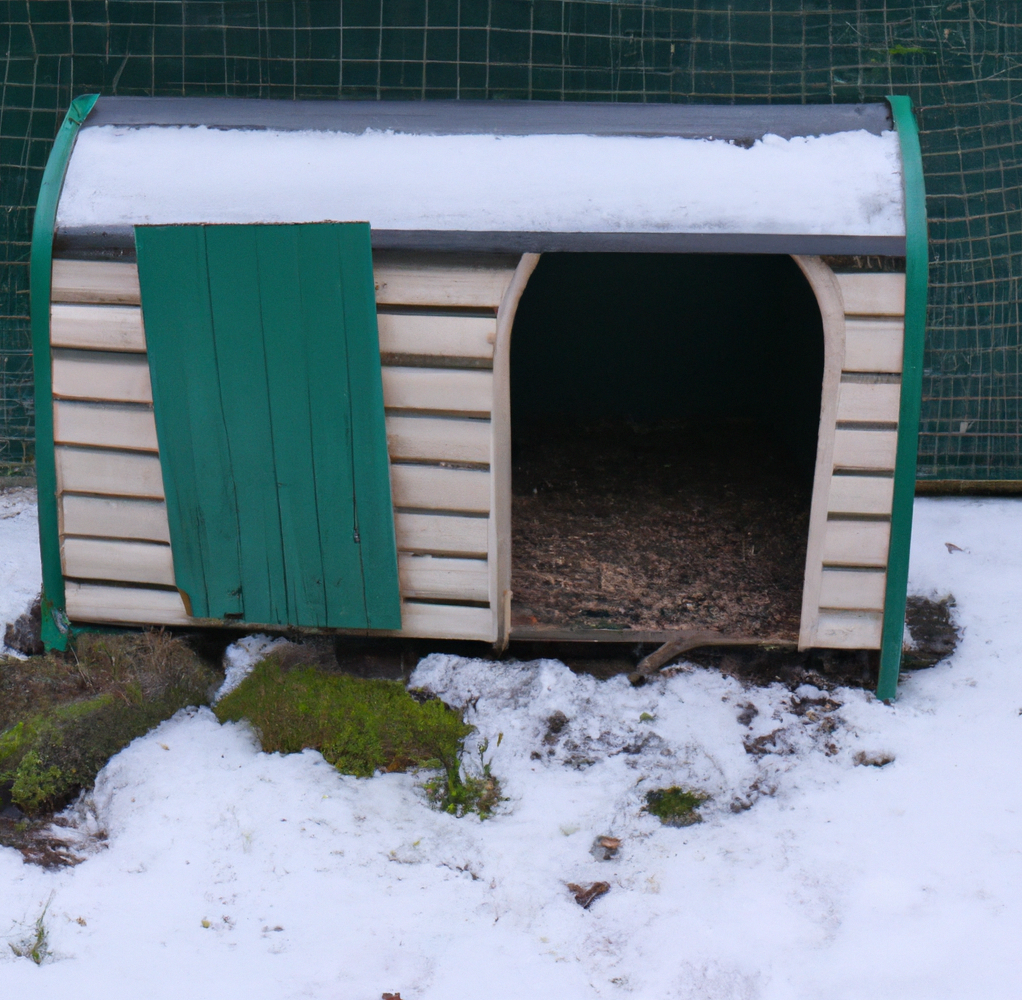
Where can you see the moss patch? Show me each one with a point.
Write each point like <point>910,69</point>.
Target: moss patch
<point>63,715</point>
<point>675,806</point>
<point>360,726</point>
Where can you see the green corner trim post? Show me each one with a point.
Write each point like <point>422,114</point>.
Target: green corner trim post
<point>54,620</point>
<point>916,271</point>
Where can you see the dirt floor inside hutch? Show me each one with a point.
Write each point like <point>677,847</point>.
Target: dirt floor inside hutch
<point>658,527</point>
<point>664,413</point>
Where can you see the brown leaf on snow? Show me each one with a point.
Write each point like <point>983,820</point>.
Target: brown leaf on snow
<point>584,896</point>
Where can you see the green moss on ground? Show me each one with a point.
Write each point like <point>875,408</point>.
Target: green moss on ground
<point>361,726</point>
<point>675,806</point>
<point>64,715</point>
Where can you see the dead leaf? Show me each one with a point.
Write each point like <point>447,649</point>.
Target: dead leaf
<point>585,896</point>
<point>951,547</point>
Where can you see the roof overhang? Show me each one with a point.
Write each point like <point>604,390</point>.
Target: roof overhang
<point>497,176</point>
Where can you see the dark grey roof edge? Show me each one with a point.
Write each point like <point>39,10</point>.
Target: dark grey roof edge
<point>118,243</point>
<point>743,122</point>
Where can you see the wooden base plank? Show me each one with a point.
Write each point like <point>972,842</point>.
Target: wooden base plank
<point>438,439</point>
<point>101,375</point>
<point>430,487</point>
<point>856,543</point>
<point>97,328</point>
<point>104,425</point>
<point>114,473</point>
<point>874,345</point>
<point>107,559</point>
<point>444,389</point>
<point>867,450</point>
<point>98,281</point>
<point>853,590</point>
<point>442,534</point>
<point>107,517</point>
<point>446,621</point>
<point>91,602</point>
<point>432,335</point>
<point>439,578</point>
<point>873,294</point>
<point>849,630</point>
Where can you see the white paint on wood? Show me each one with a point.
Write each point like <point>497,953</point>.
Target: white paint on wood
<point>448,336</point>
<point>440,578</point>
<point>849,629</point>
<point>828,298</point>
<point>438,439</point>
<point>430,487</point>
<point>854,449</point>
<point>122,378</point>
<point>853,590</point>
<point>861,495</point>
<point>857,543</point>
<point>444,389</point>
<point>441,534</point>
<point>97,328</point>
<point>441,280</point>
<point>866,402</point>
<point>114,473</point>
<point>90,602</point>
<point>446,620</point>
<point>121,561</point>
<point>104,425</point>
<point>98,281</point>
<point>107,517</point>
<point>874,345</point>
<point>873,294</point>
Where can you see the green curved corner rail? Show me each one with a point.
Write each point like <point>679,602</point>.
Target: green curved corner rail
<point>54,621</point>
<point>916,276</point>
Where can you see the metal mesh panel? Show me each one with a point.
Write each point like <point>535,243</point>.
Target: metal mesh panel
<point>961,62</point>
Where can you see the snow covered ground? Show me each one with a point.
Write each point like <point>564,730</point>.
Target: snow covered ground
<point>231,873</point>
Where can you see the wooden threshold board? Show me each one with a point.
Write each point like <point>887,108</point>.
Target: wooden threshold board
<point>539,633</point>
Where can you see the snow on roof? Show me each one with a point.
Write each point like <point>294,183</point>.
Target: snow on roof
<point>845,183</point>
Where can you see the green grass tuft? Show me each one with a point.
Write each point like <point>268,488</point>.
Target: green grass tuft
<point>675,806</point>
<point>458,792</point>
<point>35,947</point>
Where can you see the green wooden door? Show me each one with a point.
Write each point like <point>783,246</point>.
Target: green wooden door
<point>265,363</point>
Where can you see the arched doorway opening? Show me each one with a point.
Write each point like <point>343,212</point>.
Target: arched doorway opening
<point>664,419</point>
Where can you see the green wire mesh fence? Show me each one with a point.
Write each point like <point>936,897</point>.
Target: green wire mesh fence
<point>959,60</point>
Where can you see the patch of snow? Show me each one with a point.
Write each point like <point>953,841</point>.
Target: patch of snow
<point>848,183</point>
<point>241,656</point>
<point>20,569</point>
<point>231,872</point>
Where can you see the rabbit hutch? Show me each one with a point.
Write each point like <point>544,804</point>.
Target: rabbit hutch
<point>481,370</point>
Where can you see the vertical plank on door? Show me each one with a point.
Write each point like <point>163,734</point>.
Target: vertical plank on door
<point>194,453</point>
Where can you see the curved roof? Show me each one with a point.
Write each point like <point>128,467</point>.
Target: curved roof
<point>498,175</point>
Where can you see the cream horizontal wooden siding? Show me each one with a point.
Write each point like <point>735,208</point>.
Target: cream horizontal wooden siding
<point>114,535</point>
<point>850,598</point>
<point>437,320</point>
<point>437,316</point>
